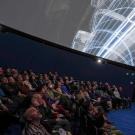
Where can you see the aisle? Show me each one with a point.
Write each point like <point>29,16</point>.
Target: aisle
<point>124,120</point>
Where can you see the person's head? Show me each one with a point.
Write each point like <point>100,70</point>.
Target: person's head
<point>100,83</point>
<point>32,114</point>
<point>13,70</point>
<point>33,77</point>
<point>120,88</point>
<point>66,78</point>
<point>42,89</point>
<point>94,87</point>
<point>81,87</point>
<point>50,85</point>
<point>37,100</point>
<point>8,70</point>
<point>26,77</point>
<point>61,80</point>
<point>4,80</point>
<point>82,82</point>
<point>54,77</point>
<point>40,77</point>
<point>99,99</point>
<point>1,71</point>
<point>90,107</point>
<point>25,72</point>
<point>114,86</point>
<point>56,73</point>
<point>106,84</point>
<point>71,78</point>
<point>30,72</point>
<point>19,78</point>
<point>50,73</point>
<point>11,80</point>
<point>58,84</point>
<point>66,81</point>
<point>45,76</point>
<point>100,110</point>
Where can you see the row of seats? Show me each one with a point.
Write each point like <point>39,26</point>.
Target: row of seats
<point>33,103</point>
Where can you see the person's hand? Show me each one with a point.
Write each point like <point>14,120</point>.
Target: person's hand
<point>21,95</point>
<point>10,101</point>
<point>54,106</point>
<point>5,108</point>
<point>60,115</point>
<point>58,119</point>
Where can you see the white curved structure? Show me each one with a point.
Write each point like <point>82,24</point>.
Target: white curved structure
<point>113,27</point>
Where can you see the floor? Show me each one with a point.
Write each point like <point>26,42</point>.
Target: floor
<point>124,120</point>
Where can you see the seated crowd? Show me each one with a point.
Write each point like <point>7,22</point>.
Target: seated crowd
<point>48,104</point>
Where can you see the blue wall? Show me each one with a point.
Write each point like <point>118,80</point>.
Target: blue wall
<point>23,53</point>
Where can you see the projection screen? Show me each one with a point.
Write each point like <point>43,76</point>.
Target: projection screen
<point>105,28</point>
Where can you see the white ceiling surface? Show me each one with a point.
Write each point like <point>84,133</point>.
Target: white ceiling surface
<point>53,20</point>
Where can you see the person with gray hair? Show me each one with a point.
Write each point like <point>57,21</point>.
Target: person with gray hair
<point>33,126</point>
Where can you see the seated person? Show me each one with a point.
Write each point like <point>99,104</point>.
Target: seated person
<point>33,126</point>
<point>98,119</point>
<point>50,118</point>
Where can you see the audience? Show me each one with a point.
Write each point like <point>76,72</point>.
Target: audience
<point>47,104</point>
